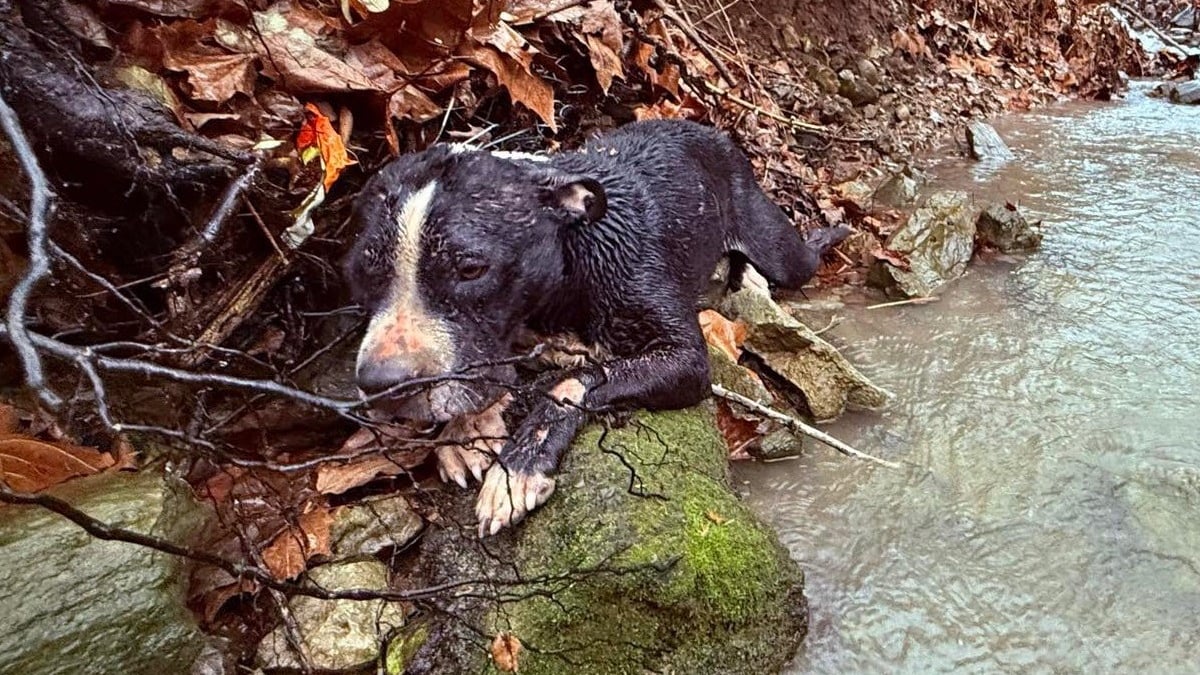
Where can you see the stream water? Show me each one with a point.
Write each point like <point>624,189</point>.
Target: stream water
<point>1052,405</point>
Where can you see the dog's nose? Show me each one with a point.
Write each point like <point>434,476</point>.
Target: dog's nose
<point>376,376</point>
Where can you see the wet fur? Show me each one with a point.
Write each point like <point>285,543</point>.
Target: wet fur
<point>613,243</point>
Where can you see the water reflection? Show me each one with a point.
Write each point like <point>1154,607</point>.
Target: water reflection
<point>1052,403</point>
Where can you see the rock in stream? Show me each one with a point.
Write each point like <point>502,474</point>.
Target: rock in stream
<point>985,144</point>
<point>937,242</point>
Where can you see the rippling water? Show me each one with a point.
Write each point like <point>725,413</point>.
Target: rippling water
<point>1052,404</point>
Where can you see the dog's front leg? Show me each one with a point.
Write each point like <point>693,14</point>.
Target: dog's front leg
<point>521,481</point>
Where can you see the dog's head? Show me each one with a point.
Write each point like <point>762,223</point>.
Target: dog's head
<point>456,249</point>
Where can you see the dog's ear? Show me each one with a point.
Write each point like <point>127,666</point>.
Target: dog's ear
<point>581,197</point>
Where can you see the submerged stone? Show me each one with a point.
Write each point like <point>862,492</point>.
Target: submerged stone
<point>1007,230</point>
<point>1187,93</point>
<point>937,241</point>
<point>985,144</point>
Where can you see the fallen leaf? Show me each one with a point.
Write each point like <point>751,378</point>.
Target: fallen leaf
<point>318,132</point>
<point>30,465</point>
<point>894,258</point>
<point>290,53</point>
<point>10,420</point>
<point>723,334</point>
<point>85,24</point>
<point>506,652</point>
<point>715,517</point>
<point>739,432</point>
<point>507,54</point>
<point>169,8</point>
<point>287,555</point>
<point>214,77</point>
<point>359,464</point>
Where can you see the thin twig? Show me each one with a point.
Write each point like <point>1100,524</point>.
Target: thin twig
<point>909,301</point>
<point>40,211</point>
<point>670,14</point>
<point>798,426</point>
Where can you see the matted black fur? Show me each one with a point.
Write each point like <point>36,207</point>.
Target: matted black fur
<point>614,242</point>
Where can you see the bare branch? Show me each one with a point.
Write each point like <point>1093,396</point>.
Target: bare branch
<point>40,211</point>
<point>798,426</point>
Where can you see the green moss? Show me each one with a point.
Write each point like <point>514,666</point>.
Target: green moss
<point>645,556</point>
<point>403,647</point>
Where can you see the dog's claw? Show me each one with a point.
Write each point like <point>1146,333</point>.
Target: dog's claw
<point>507,496</point>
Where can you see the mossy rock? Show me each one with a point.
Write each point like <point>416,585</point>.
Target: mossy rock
<point>651,562</point>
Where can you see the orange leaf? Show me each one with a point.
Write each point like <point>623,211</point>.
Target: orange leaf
<point>723,334</point>
<point>30,465</point>
<point>738,432</point>
<point>287,555</point>
<point>506,652</point>
<point>317,130</point>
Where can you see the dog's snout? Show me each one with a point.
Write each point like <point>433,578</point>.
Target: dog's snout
<point>375,376</point>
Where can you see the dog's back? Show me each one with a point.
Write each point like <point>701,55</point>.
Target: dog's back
<point>680,197</point>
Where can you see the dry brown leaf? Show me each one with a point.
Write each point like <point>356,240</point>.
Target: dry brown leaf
<point>287,555</point>
<point>335,479</point>
<point>507,54</point>
<point>85,24</point>
<point>723,334</point>
<point>643,54</point>
<point>214,77</point>
<point>894,258</point>
<point>739,432</point>
<point>290,53</point>
<point>605,62</point>
<point>506,652</point>
<point>10,420</point>
<point>30,465</point>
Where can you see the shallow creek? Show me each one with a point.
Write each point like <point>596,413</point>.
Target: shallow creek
<point>1053,405</point>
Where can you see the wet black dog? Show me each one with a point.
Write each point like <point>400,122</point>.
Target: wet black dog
<point>462,251</point>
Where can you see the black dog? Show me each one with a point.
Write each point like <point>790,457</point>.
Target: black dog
<point>462,251</point>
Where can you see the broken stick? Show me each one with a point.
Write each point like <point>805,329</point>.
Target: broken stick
<point>798,426</point>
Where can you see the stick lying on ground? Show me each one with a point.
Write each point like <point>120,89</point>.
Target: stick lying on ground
<point>798,426</point>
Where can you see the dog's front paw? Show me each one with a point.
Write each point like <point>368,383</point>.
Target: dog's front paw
<point>469,443</point>
<point>508,495</point>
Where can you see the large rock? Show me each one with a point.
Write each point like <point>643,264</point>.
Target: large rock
<point>899,190</point>
<point>985,144</point>
<point>1187,93</point>
<point>75,604</point>
<point>336,634</point>
<point>684,579</point>
<point>856,89</point>
<point>1007,230</point>
<point>937,242</point>
<point>794,352</point>
<point>644,560</point>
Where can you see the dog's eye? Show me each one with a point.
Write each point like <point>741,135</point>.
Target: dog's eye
<point>470,271</point>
